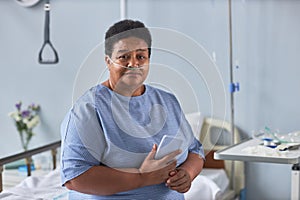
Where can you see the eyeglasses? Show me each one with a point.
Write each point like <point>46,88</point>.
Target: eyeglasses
<point>122,61</point>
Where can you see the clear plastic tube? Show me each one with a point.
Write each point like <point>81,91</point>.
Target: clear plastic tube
<point>127,67</point>
<point>276,136</point>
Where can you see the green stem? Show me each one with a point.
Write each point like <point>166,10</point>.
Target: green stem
<point>22,139</point>
<point>28,137</point>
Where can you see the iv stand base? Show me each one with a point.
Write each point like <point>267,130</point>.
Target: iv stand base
<point>295,176</point>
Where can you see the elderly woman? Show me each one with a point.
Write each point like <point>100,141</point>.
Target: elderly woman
<point>110,136</point>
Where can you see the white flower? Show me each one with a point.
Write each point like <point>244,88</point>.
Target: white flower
<point>12,114</point>
<point>25,121</point>
<point>33,122</point>
<point>15,116</point>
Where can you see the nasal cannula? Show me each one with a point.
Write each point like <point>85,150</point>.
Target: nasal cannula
<point>127,67</point>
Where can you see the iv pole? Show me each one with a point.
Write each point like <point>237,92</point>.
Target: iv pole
<point>123,9</point>
<point>233,87</point>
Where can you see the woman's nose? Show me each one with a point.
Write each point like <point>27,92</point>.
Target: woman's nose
<point>133,62</point>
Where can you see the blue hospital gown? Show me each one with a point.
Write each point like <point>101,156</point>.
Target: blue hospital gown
<point>105,128</point>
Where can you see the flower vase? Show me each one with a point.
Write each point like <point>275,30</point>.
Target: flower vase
<point>25,136</point>
<point>28,165</point>
<point>25,120</point>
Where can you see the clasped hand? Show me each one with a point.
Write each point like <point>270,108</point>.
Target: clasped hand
<point>179,180</point>
<point>164,171</point>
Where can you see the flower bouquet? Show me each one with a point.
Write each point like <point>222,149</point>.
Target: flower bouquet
<point>25,121</point>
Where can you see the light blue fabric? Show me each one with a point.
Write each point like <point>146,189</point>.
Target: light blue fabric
<point>117,131</point>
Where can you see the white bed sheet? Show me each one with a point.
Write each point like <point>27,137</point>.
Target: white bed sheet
<point>218,176</point>
<point>210,184</point>
<point>46,187</point>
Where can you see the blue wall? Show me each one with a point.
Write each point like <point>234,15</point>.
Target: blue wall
<point>266,46</point>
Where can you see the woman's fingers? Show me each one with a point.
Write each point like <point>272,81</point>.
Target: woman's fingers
<point>150,164</point>
<point>182,188</point>
<point>152,152</point>
<point>180,181</point>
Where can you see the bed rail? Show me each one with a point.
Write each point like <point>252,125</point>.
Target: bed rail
<point>27,155</point>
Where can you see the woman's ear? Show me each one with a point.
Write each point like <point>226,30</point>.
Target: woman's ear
<point>107,60</point>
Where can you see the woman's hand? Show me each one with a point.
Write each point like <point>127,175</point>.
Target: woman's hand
<point>180,180</point>
<point>157,171</point>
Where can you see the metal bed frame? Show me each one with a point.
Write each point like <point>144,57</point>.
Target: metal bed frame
<point>27,156</point>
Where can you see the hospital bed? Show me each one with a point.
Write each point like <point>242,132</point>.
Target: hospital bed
<point>215,134</point>
<point>213,182</point>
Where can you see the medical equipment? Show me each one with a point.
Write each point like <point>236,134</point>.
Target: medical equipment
<point>273,135</point>
<point>290,146</point>
<point>268,142</point>
<point>247,151</point>
<point>274,139</point>
<point>127,67</point>
<point>47,38</point>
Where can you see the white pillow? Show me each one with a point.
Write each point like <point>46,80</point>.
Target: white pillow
<point>195,119</point>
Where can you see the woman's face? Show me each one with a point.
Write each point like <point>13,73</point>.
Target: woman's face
<point>128,52</point>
